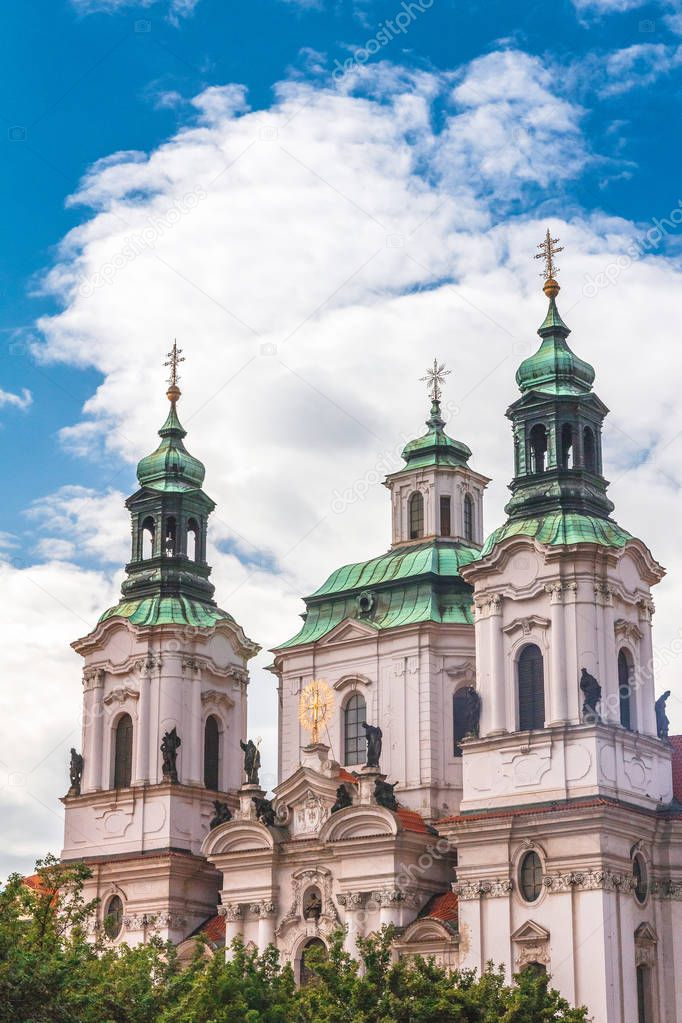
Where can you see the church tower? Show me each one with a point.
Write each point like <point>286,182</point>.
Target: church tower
<point>164,709</point>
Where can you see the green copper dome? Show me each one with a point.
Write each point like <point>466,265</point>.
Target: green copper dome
<point>554,368</point>
<point>171,467</point>
<point>435,447</point>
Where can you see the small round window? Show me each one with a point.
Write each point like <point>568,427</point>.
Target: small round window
<point>530,876</point>
<point>639,874</point>
<point>113,918</point>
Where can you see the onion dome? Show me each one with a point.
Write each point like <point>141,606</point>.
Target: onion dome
<point>554,368</point>
<point>171,467</point>
<point>435,447</point>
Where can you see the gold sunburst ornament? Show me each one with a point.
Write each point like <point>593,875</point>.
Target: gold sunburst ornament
<point>315,707</point>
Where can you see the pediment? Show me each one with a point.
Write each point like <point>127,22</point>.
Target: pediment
<point>422,931</point>
<point>359,822</point>
<point>646,935</point>
<point>530,933</point>
<point>348,631</point>
<point>237,836</point>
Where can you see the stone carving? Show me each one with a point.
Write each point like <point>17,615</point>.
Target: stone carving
<point>384,795</point>
<point>222,814</point>
<point>588,880</point>
<point>312,905</point>
<point>263,909</point>
<point>388,897</point>
<point>153,921</point>
<point>232,911</point>
<point>592,696</point>
<point>301,881</point>
<point>75,773</point>
<point>373,735</point>
<point>121,694</point>
<point>496,888</point>
<point>310,815</point>
<point>93,677</point>
<point>352,900</point>
<point>149,664</point>
<point>343,799</point>
<point>251,761</point>
<point>265,811</point>
<point>169,749</point>
<point>646,610</point>
<point>628,630</point>
<point>662,722</point>
<point>472,711</point>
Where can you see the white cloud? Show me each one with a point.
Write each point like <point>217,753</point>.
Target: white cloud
<point>637,66</point>
<point>177,9</point>
<point>21,401</point>
<point>345,239</point>
<point>608,6</point>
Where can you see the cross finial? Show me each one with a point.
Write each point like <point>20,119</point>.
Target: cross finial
<point>549,249</point>
<point>174,358</point>
<point>435,378</point>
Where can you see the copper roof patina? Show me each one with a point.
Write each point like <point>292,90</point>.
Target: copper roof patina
<point>167,611</point>
<point>408,585</point>
<point>561,528</point>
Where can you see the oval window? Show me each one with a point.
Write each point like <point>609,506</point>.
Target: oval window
<point>113,918</point>
<point>530,876</point>
<point>639,873</point>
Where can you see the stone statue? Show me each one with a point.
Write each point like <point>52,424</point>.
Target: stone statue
<point>222,815</point>
<point>373,735</point>
<point>75,773</point>
<point>592,695</point>
<point>662,722</point>
<point>384,795</point>
<point>265,811</point>
<point>343,799</point>
<point>251,761</point>
<point>169,749</point>
<point>472,711</point>
<point>312,909</point>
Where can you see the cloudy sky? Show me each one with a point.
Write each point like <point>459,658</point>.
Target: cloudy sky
<point>315,198</point>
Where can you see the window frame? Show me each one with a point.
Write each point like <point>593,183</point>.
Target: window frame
<point>537,697</point>
<point>356,704</point>
<point>537,885</point>
<point>118,774</point>
<point>216,766</point>
<point>415,519</point>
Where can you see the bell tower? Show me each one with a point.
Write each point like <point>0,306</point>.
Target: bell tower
<point>164,708</point>
<point>563,609</point>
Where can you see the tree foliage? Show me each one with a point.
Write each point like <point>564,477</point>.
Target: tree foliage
<point>51,971</point>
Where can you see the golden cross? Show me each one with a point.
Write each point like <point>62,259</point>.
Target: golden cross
<point>435,378</point>
<point>549,249</point>
<point>175,357</point>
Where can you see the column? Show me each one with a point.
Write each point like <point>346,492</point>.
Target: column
<point>608,667</point>
<point>234,924</point>
<point>498,701</point>
<point>645,673</point>
<point>196,723</point>
<point>353,904</point>
<point>558,704</point>
<point>141,772</point>
<point>390,904</point>
<point>266,924</point>
<point>93,717</point>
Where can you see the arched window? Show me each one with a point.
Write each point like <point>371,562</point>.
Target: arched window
<point>530,876</point>
<point>538,448</point>
<point>531,682</point>
<point>567,446</point>
<point>171,537</point>
<point>148,531</point>
<point>416,516</point>
<point>354,743</point>
<point>641,878</point>
<point>316,945</point>
<point>625,687</point>
<point>113,917</point>
<point>123,752</point>
<point>589,450</point>
<point>445,525</point>
<point>211,753</point>
<point>193,540</point>
<point>468,517</point>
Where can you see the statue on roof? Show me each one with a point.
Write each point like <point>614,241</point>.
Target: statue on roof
<point>265,811</point>
<point>373,735</point>
<point>343,799</point>
<point>384,794</point>
<point>169,750</point>
<point>662,722</point>
<point>251,761</point>
<point>222,814</point>
<point>592,696</point>
<point>75,773</point>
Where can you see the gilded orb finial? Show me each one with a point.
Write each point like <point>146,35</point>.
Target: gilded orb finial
<point>174,358</point>
<point>548,250</point>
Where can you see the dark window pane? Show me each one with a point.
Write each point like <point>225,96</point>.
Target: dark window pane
<point>531,689</point>
<point>530,876</point>
<point>113,918</point>
<point>123,752</point>
<point>211,753</point>
<point>468,518</point>
<point>624,690</point>
<point>354,741</point>
<point>416,516</point>
<point>445,529</point>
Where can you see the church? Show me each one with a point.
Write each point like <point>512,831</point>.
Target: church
<point>471,747</point>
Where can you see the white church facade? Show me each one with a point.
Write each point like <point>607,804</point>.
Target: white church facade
<point>470,745</point>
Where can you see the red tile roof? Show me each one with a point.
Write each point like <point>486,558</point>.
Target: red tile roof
<point>442,907</point>
<point>35,882</point>
<point>346,776</point>
<point>519,811</point>
<point>212,929</point>
<point>676,743</point>
<point>412,821</point>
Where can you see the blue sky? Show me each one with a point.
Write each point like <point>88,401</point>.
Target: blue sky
<point>316,237</point>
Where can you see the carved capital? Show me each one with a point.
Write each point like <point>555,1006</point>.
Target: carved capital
<point>495,888</point>
<point>232,911</point>
<point>604,594</point>
<point>646,609</point>
<point>352,900</point>
<point>121,694</point>
<point>93,678</point>
<point>146,665</point>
